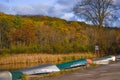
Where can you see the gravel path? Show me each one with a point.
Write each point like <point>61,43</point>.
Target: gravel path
<point>106,72</point>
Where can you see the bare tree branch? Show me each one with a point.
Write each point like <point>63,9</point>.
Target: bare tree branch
<point>96,11</point>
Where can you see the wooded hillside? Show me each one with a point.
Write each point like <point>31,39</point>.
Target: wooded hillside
<point>34,34</point>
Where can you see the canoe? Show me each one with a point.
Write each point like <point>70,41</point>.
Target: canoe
<point>118,57</point>
<point>41,69</point>
<point>89,61</point>
<point>101,62</point>
<point>72,64</point>
<point>16,75</point>
<point>104,60</point>
<point>5,75</point>
<point>113,58</point>
<point>109,58</point>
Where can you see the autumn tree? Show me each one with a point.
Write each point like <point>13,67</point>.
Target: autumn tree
<point>25,34</point>
<point>4,33</point>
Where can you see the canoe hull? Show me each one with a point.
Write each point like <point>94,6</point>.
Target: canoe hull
<point>101,62</point>
<point>72,64</point>
<point>5,75</point>
<point>42,69</point>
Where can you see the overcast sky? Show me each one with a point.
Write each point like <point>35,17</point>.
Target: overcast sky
<point>54,8</point>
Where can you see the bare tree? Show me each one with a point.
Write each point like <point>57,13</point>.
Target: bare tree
<point>99,12</point>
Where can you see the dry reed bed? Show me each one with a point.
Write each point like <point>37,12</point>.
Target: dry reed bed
<point>43,58</point>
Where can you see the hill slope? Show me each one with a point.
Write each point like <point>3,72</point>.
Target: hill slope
<point>27,34</point>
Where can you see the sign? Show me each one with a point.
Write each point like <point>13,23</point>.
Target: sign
<point>96,47</point>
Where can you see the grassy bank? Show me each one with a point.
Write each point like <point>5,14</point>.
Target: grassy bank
<point>43,58</point>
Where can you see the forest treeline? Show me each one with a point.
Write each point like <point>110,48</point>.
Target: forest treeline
<point>43,34</point>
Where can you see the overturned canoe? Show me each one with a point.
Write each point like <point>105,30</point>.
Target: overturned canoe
<point>89,61</point>
<point>104,60</point>
<point>47,68</point>
<point>14,75</point>
<point>109,58</point>
<point>118,57</point>
<point>101,62</point>
<point>5,75</point>
<point>76,63</point>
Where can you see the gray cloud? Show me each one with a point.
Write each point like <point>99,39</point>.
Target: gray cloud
<point>65,8</point>
<point>37,9</point>
<point>68,16</point>
<point>4,8</point>
<point>116,23</point>
<point>61,9</point>
<point>117,2</point>
<point>4,1</point>
<point>24,9</point>
<point>67,2</point>
<point>42,9</point>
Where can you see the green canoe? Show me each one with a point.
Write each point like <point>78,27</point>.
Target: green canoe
<point>76,63</point>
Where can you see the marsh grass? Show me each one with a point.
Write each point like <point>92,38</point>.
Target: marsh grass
<point>43,58</point>
<point>20,61</point>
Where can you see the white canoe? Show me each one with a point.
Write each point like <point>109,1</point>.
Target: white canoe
<point>101,62</point>
<point>48,68</point>
<point>104,60</point>
<point>5,75</point>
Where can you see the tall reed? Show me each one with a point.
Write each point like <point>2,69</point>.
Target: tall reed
<point>43,58</point>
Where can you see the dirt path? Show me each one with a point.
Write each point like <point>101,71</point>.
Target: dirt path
<point>107,72</point>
